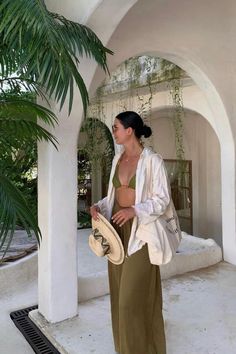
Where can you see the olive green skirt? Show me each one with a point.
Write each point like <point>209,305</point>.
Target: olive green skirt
<point>136,301</point>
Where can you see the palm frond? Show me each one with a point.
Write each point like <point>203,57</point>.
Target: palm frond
<point>13,207</point>
<point>20,84</point>
<point>20,108</point>
<point>14,131</point>
<point>82,40</point>
<point>18,122</point>
<point>48,45</point>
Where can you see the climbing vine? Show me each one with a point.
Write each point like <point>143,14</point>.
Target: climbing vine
<point>134,85</point>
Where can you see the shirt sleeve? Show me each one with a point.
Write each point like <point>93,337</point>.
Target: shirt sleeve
<point>102,204</point>
<point>154,206</point>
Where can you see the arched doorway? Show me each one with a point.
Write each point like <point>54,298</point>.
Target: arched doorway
<point>95,154</point>
<point>214,112</point>
<point>202,150</point>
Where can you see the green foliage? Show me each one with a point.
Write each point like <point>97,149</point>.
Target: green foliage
<point>135,83</point>
<point>45,46</point>
<point>84,219</point>
<point>159,71</point>
<point>18,122</point>
<point>20,167</point>
<point>19,133</point>
<point>99,146</point>
<point>39,54</point>
<point>177,99</point>
<point>13,207</point>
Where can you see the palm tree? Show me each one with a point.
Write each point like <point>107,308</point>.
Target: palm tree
<point>18,123</point>
<point>44,45</point>
<point>39,50</point>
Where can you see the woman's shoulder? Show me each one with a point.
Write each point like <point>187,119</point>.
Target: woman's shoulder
<point>151,155</point>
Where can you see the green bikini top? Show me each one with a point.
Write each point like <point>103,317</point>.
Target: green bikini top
<point>116,180</point>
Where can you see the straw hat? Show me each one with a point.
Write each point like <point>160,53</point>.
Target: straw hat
<point>105,241</point>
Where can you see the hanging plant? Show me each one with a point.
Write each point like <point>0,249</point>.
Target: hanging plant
<point>133,87</point>
<point>175,88</point>
<point>178,118</point>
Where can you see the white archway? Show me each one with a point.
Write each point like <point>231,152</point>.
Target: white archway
<point>161,29</point>
<point>214,111</point>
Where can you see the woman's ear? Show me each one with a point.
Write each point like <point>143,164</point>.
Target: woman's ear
<point>129,130</point>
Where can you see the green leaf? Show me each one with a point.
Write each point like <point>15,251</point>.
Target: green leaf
<point>13,206</point>
<point>46,47</point>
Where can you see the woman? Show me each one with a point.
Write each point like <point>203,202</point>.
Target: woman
<point>138,193</point>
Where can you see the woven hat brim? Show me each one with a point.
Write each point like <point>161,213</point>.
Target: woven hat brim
<point>116,254</point>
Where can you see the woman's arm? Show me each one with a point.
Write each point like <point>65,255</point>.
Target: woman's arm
<point>154,206</point>
<point>102,205</point>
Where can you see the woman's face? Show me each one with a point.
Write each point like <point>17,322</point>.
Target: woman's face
<point>120,133</point>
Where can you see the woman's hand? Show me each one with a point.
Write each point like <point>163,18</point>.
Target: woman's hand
<point>94,210</point>
<point>123,215</point>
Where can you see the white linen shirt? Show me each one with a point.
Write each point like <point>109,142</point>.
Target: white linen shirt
<point>152,195</point>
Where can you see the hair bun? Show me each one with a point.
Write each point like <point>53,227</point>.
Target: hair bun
<point>147,131</point>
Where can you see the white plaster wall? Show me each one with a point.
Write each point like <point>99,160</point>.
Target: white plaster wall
<point>202,148</point>
<point>199,36</point>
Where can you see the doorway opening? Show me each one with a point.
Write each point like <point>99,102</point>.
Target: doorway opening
<point>180,177</point>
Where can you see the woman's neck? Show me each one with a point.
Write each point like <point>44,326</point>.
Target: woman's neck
<point>133,149</point>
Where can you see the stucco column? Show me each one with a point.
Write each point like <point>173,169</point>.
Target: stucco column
<point>57,212</point>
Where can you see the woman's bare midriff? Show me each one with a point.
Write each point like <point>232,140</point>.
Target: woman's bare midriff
<point>125,196</point>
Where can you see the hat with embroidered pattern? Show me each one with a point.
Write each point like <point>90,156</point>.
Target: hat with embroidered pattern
<point>105,241</point>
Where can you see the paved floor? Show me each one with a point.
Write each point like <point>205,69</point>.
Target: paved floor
<point>208,295</point>
<point>199,311</point>
<point>12,341</point>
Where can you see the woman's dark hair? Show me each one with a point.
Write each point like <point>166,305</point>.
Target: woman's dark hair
<point>133,120</point>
